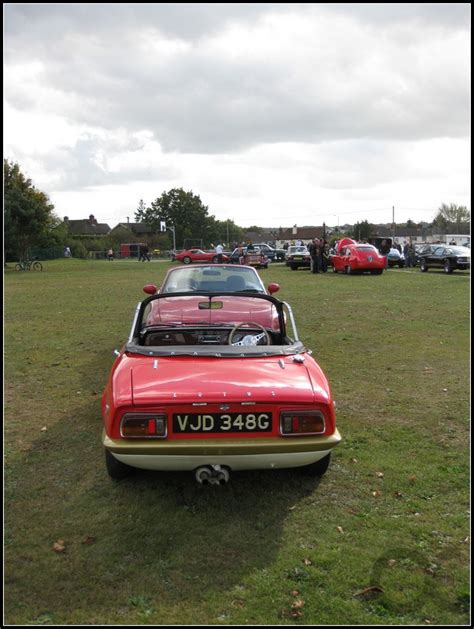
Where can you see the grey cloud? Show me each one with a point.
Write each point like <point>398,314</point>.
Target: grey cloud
<point>199,103</point>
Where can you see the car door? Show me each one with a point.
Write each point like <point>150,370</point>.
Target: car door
<point>437,258</point>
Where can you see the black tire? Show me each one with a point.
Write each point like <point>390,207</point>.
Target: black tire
<point>187,260</point>
<point>423,266</point>
<point>215,260</point>
<point>37,266</point>
<point>18,267</point>
<point>293,267</point>
<point>319,468</point>
<point>115,468</point>
<point>448,267</point>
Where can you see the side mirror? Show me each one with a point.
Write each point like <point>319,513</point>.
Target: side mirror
<point>150,289</point>
<point>273,288</point>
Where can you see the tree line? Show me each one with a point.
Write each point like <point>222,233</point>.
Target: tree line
<point>30,221</point>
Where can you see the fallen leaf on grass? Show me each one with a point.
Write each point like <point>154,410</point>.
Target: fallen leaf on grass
<point>59,546</point>
<point>295,593</point>
<point>376,494</point>
<point>298,604</point>
<point>412,479</point>
<point>89,540</point>
<point>44,429</point>
<point>307,562</point>
<point>392,562</point>
<point>398,494</point>
<point>340,529</point>
<point>371,591</point>
<point>379,474</point>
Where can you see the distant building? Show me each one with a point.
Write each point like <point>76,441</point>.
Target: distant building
<point>305,234</point>
<point>86,227</point>
<point>136,229</point>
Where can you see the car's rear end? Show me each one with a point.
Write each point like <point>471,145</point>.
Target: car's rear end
<point>188,413</point>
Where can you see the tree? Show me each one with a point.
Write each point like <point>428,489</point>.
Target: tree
<point>183,210</point>
<point>410,223</point>
<point>28,213</point>
<point>361,231</point>
<point>452,214</point>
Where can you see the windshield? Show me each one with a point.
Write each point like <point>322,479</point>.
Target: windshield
<point>297,250</point>
<point>229,278</point>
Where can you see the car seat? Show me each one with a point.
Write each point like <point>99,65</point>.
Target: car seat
<point>235,283</point>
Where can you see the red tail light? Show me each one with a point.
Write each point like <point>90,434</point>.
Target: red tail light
<point>140,425</point>
<point>302,423</point>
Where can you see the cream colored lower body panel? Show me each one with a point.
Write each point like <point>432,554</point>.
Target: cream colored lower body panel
<point>234,462</point>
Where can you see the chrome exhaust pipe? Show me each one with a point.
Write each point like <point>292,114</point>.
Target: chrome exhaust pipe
<point>212,475</point>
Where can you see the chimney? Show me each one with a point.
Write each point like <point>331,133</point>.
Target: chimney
<point>294,230</point>
<point>128,219</point>
<point>66,219</point>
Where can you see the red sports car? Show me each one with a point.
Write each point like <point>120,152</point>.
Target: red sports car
<point>198,255</point>
<point>213,382</point>
<point>353,257</point>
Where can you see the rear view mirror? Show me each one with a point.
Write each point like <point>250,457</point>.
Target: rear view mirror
<point>273,288</point>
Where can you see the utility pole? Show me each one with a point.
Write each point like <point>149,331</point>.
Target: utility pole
<point>393,223</point>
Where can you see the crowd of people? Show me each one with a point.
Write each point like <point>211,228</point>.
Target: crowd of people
<point>319,252</point>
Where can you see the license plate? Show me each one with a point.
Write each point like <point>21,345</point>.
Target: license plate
<point>298,258</point>
<point>222,423</point>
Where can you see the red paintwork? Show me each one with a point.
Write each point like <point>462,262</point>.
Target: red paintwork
<point>198,255</point>
<point>175,383</point>
<point>185,310</point>
<point>357,256</point>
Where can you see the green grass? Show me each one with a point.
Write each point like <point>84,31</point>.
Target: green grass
<point>272,547</point>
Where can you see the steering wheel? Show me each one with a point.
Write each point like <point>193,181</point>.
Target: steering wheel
<point>252,337</point>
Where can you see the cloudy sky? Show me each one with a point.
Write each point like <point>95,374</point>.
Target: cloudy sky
<point>274,114</point>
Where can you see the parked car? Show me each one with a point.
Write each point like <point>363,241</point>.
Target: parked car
<point>395,258</point>
<point>254,257</point>
<point>298,256</point>
<point>198,255</point>
<point>275,255</point>
<point>353,257</point>
<point>212,278</point>
<point>215,383</point>
<point>448,258</point>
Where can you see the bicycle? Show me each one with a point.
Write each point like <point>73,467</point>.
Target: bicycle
<point>27,265</point>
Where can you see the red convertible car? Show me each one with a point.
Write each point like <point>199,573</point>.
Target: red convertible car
<point>213,382</point>
<point>353,257</point>
<point>198,255</point>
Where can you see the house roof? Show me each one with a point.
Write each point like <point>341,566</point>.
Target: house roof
<point>135,228</point>
<point>304,233</point>
<point>86,227</point>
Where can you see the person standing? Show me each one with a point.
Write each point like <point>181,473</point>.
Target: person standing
<point>110,254</point>
<point>324,256</point>
<point>219,251</point>
<point>315,253</point>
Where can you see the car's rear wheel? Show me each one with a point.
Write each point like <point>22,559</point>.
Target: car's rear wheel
<point>423,266</point>
<point>215,259</point>
<point>115,468</point>
<point>448,267</point>
<point>187,260</point>
<point>293,267</point>
<point>319,468</point>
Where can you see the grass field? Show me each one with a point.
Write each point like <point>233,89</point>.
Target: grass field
<point>381,539</point>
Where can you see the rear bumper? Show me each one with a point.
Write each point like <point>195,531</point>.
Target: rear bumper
<point>236,454</point>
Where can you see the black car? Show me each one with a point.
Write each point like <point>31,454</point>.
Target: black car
<point>275,255</point>
<point>298,256</point>
<point>445,257</point>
